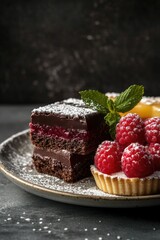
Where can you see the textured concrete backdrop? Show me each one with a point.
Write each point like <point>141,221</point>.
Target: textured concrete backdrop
<point>49,50</point>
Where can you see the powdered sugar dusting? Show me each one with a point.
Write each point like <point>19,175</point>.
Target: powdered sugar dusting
<point>70,107</point>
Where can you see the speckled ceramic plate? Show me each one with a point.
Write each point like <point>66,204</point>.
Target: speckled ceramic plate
<point>16,164</point>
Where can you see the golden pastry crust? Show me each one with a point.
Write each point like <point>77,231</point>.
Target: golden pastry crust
<point>119,184</point>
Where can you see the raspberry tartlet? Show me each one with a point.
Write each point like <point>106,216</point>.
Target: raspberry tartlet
<point>130,165</point>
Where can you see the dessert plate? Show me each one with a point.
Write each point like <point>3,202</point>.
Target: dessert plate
<point>16,165</point>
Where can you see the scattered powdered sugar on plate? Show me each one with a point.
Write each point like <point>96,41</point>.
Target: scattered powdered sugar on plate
<point>16,159</point>
<point>84,187</point>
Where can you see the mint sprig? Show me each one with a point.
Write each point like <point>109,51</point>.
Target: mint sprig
<point>129,98</point>
<point>110,108</point>
<point>96,100</point>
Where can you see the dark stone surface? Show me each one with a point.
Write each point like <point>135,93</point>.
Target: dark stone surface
<point>49,50</point>
<point>24,216</point>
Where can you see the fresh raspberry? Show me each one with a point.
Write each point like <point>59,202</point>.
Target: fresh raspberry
<point>130,129</point>
<point>136,161</point>
<point>108,157</point>
<point>152,130</point>
<point>154,150</point>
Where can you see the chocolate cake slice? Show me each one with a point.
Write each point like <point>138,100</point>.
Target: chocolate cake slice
<point>62,164</point>
<point>68,125</point>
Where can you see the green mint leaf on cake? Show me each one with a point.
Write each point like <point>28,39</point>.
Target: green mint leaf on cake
<point>96,100</point>
<point>129,98</point>
<point>111,108</point>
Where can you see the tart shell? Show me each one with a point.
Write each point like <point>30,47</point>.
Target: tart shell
<point>118,184</point>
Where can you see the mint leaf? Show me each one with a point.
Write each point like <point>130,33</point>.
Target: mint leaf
<point>111,120</point>
<point>111,105</point>
<point>129,98</point>
<point>95,100</point>
<point>109,108</point>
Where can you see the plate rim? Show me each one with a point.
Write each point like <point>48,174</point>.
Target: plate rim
<point>25,184</point>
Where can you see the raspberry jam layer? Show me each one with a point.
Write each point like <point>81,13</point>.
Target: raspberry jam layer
<point>56,131</point>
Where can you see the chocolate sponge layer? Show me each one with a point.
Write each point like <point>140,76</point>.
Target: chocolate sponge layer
<point>74,145</point>
<point>62,164</point>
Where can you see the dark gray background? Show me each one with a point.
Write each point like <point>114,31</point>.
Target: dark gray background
<point>49,50</point>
